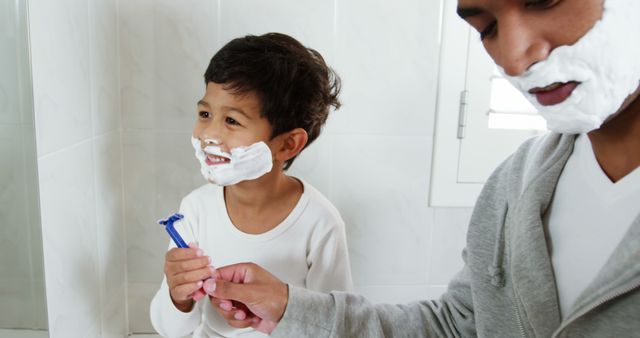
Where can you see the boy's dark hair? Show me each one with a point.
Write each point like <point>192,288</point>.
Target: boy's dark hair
<point>295,86</point>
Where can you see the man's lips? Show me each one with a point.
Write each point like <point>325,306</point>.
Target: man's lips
<point>215,160</point>
<point>555,93</point>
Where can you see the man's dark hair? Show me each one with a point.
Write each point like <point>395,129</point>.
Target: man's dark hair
<point>295,86</point>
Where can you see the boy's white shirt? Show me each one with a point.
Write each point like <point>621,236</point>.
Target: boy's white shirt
<point>586,220</point>
<point>308,249</point>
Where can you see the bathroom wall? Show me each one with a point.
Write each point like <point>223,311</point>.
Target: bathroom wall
<point>75,64</point>
<point>22,298</point>
<point>373,160</point>
<point>165,47</point>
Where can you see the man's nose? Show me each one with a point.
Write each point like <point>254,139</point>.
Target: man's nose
<point>520,45</point>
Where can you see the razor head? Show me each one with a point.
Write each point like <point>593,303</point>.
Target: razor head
<point>169,221</point>
<point>171,230</point>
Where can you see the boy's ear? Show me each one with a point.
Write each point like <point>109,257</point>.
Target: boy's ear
<point>291,144</point>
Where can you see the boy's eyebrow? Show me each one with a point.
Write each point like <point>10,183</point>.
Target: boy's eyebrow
<point>237,110</point>
<point>203,103</point>
<point>465,12</point>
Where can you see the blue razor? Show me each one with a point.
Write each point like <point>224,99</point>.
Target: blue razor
<point>173,233</point>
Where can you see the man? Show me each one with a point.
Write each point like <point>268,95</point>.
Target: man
<point>554,241</point>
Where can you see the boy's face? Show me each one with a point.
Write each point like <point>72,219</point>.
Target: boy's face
<point>231,120</point>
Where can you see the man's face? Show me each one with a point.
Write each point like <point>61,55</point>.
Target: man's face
<point>519,33</point>
<point>571,58</point>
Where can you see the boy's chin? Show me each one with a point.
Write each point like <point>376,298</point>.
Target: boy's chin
<point>216,183</point>
<point>227,184</point>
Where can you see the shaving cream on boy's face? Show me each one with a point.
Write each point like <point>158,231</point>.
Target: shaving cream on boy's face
<point>243,163</point>
<point>591,78</point>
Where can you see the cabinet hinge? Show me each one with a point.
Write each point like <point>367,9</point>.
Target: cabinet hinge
<point>462,115</point>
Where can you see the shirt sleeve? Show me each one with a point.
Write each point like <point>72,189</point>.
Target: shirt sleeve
<point>339,314</point>
<point>166,319</point>
<point>329,266</point>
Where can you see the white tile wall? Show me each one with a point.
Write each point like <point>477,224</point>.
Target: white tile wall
<point>103,42</point>
<point>184,43</point>
<point>61,76</point>
<point>309,21</point>
<point>165,48</point>
<point>21,284</point>
<point>8,333</point>
<point>9,106</point>
<point>159,171</point>
<point>139,299</point>
<point>68,208</point>
<point>387,55</point>
<point>137,59</point>
<point>372,161</point>
<point>75,66</point>
<point>22,300</point>
<point>314,164</point>
<point>110,233</point>
<point>384,206</point>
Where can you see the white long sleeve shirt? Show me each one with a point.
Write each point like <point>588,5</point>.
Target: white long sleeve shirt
<point>308,249</point>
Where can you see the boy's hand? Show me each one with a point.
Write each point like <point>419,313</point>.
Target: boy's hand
<point>260,298</point>
<point>185,270</point>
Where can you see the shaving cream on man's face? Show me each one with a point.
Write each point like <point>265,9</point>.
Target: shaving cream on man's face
<point>242,164</point>
<point>591,78</point>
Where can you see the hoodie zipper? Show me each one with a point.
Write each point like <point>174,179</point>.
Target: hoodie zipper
<point>519,321</point>
<point>596,305</point>
<point>518,317</point>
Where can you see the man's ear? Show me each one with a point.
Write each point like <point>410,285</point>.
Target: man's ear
<point>291,144</point>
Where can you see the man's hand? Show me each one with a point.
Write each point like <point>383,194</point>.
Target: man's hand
<point>247,295</point>
<point>185,270</point>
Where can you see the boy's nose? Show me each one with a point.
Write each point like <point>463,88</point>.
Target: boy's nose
<point>211,134</point>
<point>207,141</point>
<point>520,46</point>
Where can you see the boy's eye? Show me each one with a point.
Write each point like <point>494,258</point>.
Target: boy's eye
<point>489,31</point>
<point>231,121</point>
<point>204,114</point>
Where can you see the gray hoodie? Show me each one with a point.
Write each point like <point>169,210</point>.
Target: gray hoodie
<point>507,287</point>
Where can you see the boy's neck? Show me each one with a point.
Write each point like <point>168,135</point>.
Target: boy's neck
<point>258,206</point>
<point>616,143</point>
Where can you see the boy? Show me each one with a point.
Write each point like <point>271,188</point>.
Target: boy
<point>267,98</point>
<point>553,248</point>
